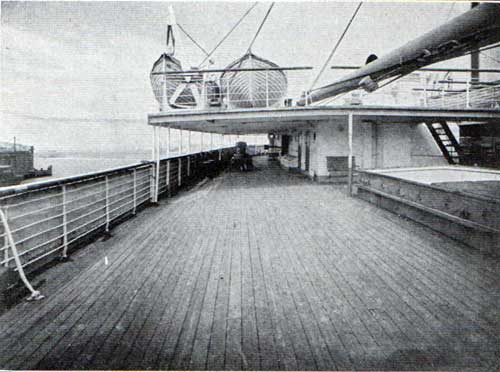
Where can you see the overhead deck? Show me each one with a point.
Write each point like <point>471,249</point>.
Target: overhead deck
<point>262,270</point>
<point>283,119</point>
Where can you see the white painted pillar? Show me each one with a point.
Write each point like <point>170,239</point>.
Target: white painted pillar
<point>180,141</point>
<point>134,210</point>
<point>168,141</point>
<point>106,186</point>
<point>349,159</point>
<point>6,244</point>
<point>157,166</point>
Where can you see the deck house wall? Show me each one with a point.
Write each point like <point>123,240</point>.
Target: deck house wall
<point>374,146</point>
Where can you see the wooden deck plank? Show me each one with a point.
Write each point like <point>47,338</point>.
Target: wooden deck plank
<point>263,270</point>
<point>92,324</point>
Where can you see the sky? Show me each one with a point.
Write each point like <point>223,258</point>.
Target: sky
<point>75,75</point>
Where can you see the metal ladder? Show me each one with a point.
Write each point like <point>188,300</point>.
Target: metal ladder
<point>446,141</point>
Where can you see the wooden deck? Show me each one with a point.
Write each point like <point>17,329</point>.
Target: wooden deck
<point>263,270</point>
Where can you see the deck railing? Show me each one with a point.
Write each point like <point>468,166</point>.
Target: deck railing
<point>47,218</point>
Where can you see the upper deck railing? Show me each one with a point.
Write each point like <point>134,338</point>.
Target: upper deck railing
<point>428,90</point>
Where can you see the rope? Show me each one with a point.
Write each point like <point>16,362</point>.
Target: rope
<point>490,57</point>
<point>260,27</point>
<point>229,33</point>
<point>35,295</point>
<point>193,40</point>
<point>336,46</point>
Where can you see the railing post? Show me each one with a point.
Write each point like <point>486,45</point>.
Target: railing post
<point>106,183</point>
<point>65,222</point>
<point>6,244</point>
<point>179,172</point>
<point>189,166</point>
<point>135,192</point>
<point>168,175</point>
<point>211,141</point>
<point>201,141</point>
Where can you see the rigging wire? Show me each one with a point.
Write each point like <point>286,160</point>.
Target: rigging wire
<point>229,33</point>
<point>336,45</point>
<point>193,40</point>
<point>260,27</point>
<point>490,57</point>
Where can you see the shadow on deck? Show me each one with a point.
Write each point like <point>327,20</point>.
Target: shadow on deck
<point>262,270</point>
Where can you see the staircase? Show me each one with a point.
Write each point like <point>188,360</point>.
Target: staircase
<point>446,141</point>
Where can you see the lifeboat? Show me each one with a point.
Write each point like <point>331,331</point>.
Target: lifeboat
<point>248,89</point>
<point>171,89</point>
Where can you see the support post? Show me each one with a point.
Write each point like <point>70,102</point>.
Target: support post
<point>168,175</point>
<point>135,192</point>
<point>180,141</point>
<point>189,142</point>
<point>179,172</point>
<point>157,165</point>
<point>211,141</point>
<point>189,166</point>
<point>106,185</point>
<point>201,141</point>
<point>5,244</point>
<point>65,222</point>
<point>349,159</point>
<point>267,88</point>
<point>168,141</point>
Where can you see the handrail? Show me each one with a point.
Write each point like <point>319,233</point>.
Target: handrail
<point>45,218</point>
<point>35,295</point>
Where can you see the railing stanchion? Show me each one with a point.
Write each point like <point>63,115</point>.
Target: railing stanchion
<point>65,222</point>
<point>189,166</point>
<point>168,175</point>
<point>5,245</point>
<point>134,211</point>
<point>179,172</point>
<point>106,185</point>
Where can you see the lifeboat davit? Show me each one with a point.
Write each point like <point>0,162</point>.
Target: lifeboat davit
<point>246,89</point>
<point>171,89</point>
